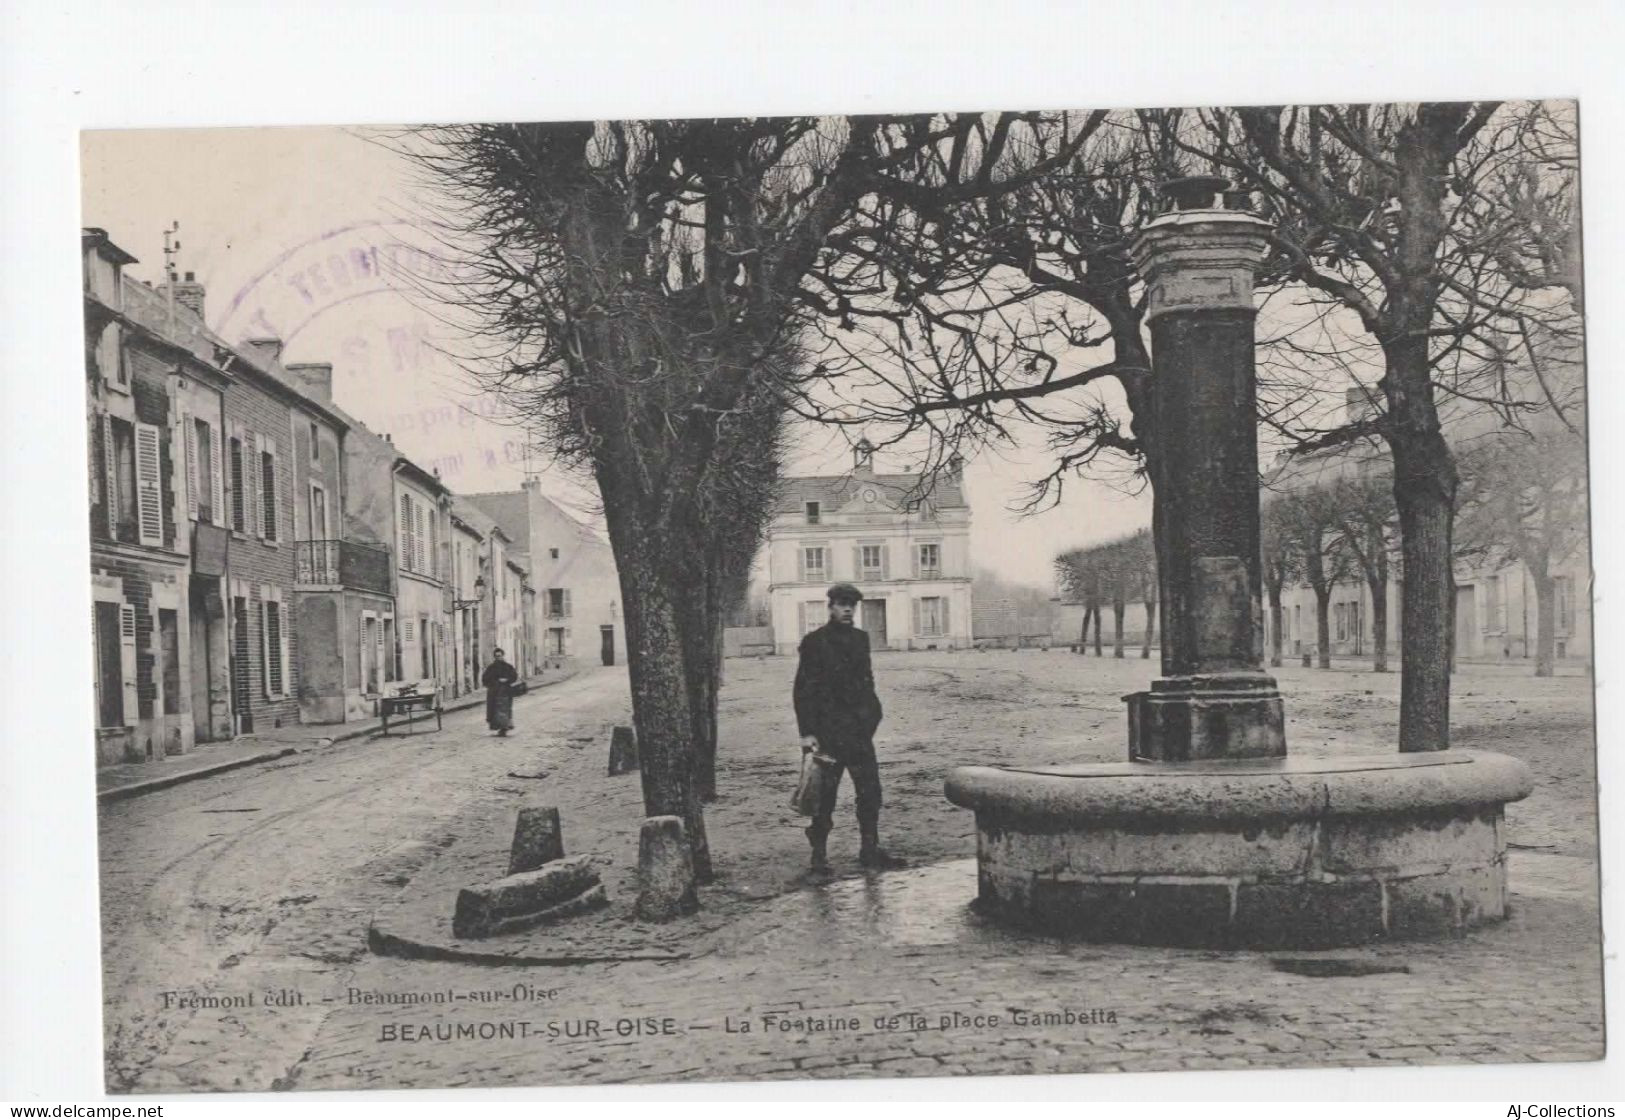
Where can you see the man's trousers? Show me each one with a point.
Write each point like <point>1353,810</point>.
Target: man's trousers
<point>856,757</point>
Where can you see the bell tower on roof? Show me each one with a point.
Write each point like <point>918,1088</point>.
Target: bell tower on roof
<point>863,457</point>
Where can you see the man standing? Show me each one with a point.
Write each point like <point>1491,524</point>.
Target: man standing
<point>499,678</point>
<point>837,713</point>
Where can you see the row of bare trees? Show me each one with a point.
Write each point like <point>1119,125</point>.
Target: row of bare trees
<point>659,297</point>
<point>1114,574</point>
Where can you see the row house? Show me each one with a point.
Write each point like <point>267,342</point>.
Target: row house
<point>574,585</point>
<point>906,549</point>
<point>197,479</point>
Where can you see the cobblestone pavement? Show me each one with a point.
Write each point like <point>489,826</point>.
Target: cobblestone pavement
<point>827,978</point>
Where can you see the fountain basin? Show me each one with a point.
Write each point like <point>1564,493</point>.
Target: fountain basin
<point>1255,853</point>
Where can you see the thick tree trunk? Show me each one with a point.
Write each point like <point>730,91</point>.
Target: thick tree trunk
<point>1277,615</point>
<point>1323,639</point>
<point>1545,621</point>
<point>1083,634</point>
<point>1099,616</point>
<point>1424,490</point>
<point>1150,626</point>
<point>1118,608</point>
<point>700,615</point>
<point>657,670</point>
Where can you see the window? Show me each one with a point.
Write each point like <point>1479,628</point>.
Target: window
<point>558,602</point>
<point>109,666</point>
<point>274,648</point>
<point>872,561</point>
<point>814,613</point>
<point>928,562</point>
<point>812,565</point>
<point>123,499</point>
<point>315,443</point>
<point>553,553</point>
<point>268,491</point>
<point>169,654</point>
<point>239,518</point>
<point>318,513</point>
<point>812,513</point>
<point>1494,606</point>
<point>370,649</point>
<point>408,535</point>
<point>203,470</point>
<point>931,617</point>
<point>425,648</point>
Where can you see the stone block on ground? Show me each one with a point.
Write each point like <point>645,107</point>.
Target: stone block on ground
<point>623,750</point>
<point>523,899</point>
<point>537,840</point>
<point>665,871</point>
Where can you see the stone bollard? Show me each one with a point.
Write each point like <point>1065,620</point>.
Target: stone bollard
<point>557,890</point>
<point>537,839</point>
<point>623,750</point>
<point>665,871</point>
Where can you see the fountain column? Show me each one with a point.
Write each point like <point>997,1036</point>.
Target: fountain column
<point>1214,700</point>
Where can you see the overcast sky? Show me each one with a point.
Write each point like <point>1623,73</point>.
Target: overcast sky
<point>273,222</point>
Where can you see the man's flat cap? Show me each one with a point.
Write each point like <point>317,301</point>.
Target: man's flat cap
<point>844,593</point>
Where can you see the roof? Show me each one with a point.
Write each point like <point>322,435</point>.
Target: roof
<point>509,510</point>
<point>833,491</point>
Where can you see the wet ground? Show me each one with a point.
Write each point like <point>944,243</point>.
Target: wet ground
<point>260,883</point>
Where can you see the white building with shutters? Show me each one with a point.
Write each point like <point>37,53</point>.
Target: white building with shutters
<point>905,547</point>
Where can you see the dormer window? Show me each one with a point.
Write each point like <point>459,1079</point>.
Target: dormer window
<point>812,513</point>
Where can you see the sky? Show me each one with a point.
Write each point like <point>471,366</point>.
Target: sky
<point>293,232</point>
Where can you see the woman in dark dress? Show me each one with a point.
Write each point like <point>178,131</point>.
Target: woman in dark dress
<point>498,679</point>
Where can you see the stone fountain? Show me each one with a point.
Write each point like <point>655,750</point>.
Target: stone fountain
<point>1209,834</point>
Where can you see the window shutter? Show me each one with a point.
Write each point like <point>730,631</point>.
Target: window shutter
<point>149,500</point>
<point>273,508</point>
<point>256,485</point>
<point>418,564</point>
<point>265,652</point>
<point>857,561</point>
<point>217,480</point>
<point>946,629</point>
<point>919,559</point>
<point>127,663</point>
<point>109,475</point>
<point>382,665</point>
<point>885,561</point>
<point>566,602</point>
<point>284,632</point>
<point>569,646</point>
<point>434,545</point>
<point>801,618</point>
<point>801,567</point>
<point>918,626</point>
<point>189,439</point>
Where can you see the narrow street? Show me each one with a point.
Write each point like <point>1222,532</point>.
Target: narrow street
<point>263,878</point>
<point>260,884</point>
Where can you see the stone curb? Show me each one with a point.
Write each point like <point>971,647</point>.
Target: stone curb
<point>384,944</point>
<point>153,785</point>
<point>166,781</point>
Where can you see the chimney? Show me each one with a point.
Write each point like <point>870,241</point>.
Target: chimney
<point>531,483</point>
<point>188,293</point>
<point>315,378</point>
<point>956,467</point>
<point>268,349</point>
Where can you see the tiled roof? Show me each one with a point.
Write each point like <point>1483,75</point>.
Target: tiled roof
<point>833,491</point>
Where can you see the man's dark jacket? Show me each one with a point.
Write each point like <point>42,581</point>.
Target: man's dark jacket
<point>835,689</point>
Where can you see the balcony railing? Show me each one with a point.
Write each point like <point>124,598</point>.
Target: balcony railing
<point>338,563</point>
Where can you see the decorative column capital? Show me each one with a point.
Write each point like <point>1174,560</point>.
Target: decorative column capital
<point>1201,260</point>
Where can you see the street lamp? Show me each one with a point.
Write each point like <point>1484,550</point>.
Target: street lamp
<point>479,595</point>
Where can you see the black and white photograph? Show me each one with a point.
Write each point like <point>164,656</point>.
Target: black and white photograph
<point>887,594</point>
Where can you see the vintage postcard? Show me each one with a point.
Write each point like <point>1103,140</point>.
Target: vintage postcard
<point>821,597</point>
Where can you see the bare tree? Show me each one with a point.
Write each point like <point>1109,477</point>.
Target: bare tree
<point>1309,522</point>
<point>1365,504</point>
<point>1279,567</point>
<point>1524,499</point>
<point>1402,217</point>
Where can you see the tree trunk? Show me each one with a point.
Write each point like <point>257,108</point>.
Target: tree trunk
<point>1277,615</point>
<point>1150,625</point>
<point>1083,634</point>
<point>1118,607</point>
<point>1099,613</point>
<point>1424,490</point>
<point>1379,622</point>
<point>700,619</point>
<point>1545,621</point>
<point>1323,640</point>
<point>657,671</point>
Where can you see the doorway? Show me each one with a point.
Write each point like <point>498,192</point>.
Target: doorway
<point>606,641</point>
<point>874,622</point>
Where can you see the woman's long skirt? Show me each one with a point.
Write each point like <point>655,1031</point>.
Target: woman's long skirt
<point>499,709</point>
